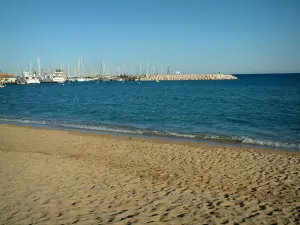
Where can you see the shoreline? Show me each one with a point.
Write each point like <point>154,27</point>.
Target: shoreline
<point>135,132</point>
<point>158,139</point>
<point>61,177</point>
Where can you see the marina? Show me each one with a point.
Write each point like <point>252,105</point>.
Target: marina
<point>26,78</point>
<point>63,73</point>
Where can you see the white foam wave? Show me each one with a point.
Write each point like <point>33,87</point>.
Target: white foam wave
<point>223,138</point>
<point>119,129</point>
<point>268,143</point>
<point>175,134</point>
<point>102,128</point>
<point>216,137</point>
<point>258,142</point>
<point>22,121</point>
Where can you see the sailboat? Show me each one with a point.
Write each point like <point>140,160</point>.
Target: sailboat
<point>80,78</point>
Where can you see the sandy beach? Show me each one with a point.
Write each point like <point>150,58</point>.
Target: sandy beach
<point>67,177</point>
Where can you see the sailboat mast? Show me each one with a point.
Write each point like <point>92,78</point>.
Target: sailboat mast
<point>125,67</point>
<point>81,67</point>
<point>39,66</point>
<point>140,69</point>
<point>132,70</point>
<point>78,68</point>
<point>147,68</point>
<point>122,68</point>
<point>103,67</point>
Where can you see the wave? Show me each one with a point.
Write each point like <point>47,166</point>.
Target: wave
<point>102,128</point>
<point>274,144</point>
<point>22,121</point>
<point>159,133</point>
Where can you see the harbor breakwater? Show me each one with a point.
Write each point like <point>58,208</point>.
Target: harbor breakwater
<point>190,77</point>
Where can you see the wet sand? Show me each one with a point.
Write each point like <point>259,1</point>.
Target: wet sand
<point>62,177</point>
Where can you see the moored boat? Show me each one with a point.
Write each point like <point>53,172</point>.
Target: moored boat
<point>59,76</point>
<point>81,79</point>
<point>72,79</point>
<point>28,78</point>
<point>59,79</point>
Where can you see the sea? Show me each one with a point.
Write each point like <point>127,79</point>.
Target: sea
<point>257,110</point>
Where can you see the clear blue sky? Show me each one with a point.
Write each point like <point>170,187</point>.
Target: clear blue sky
<point>236,36</point>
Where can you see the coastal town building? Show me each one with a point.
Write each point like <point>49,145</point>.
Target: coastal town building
<point>7,78</point>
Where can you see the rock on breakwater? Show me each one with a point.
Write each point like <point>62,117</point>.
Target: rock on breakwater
<point>190,77</point>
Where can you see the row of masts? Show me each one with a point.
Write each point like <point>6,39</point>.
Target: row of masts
<point>78,70</point>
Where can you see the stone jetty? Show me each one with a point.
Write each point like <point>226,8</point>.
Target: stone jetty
<point>189,77</point>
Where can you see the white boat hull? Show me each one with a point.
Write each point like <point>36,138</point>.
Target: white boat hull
<point>59,79</point>
<point>72,79</point>
<point>46,80</point>
<point>27,78</point>
<point>32,81</point>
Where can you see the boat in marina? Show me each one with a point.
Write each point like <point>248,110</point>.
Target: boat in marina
<point>28,78</point>
<point>2,85</point>
<point>46,78</point>
<point>59,76</point>
<point>72,79</point>
<point>59,79</point>
<point>84,79</point>
<point>81,79</point>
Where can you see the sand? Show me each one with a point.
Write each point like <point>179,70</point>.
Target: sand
<point>62,177</point>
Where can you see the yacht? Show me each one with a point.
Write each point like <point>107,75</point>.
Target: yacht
<point>72,79</point>
<point>47,78</point>
<point>28,78</point>
<point>81,79</point>
<point>59,76</point>
<point>59,79</point>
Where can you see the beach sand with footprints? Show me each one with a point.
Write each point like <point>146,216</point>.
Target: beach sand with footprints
<point>63,177</point>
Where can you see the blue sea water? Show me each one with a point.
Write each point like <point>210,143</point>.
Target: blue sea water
<point>258,109</point>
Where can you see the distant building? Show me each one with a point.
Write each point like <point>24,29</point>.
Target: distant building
<point>177,72</point>
<point>6,78</point>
